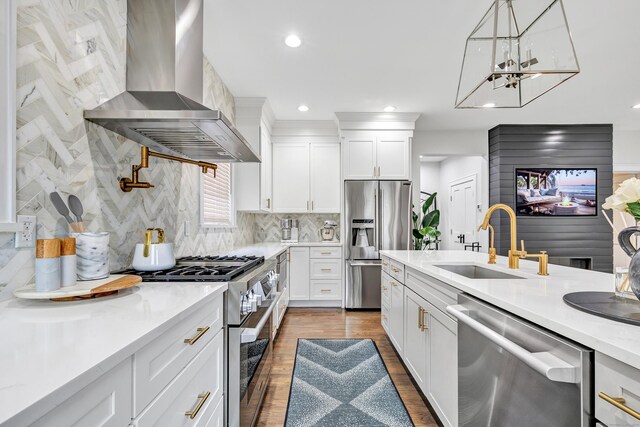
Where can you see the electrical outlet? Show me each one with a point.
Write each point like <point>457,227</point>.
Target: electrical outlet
<point>187,229</point>
<point>27,237</point>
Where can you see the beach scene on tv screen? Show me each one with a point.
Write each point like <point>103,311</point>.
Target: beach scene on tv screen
<point>556,192</point>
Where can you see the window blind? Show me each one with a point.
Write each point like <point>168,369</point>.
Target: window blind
<point>217,205</point>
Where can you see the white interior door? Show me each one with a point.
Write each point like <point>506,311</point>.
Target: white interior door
<point>462,213</point>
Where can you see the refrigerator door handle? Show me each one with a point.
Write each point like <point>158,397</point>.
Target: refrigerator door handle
<point>365,263</point>
<point>381,225</point>
<point>375,220</point>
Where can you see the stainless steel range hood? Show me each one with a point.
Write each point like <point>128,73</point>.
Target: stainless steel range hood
<point>162,105</point>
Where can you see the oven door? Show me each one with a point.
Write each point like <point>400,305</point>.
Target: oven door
<point>255,360</point>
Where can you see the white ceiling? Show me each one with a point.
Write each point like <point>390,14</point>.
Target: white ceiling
<point>361,55</point>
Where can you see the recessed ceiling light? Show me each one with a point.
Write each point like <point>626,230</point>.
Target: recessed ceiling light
<point>303,108</point>
<point>489,105</point>
<point>637,107</point>
<point>389,109</point>
<point>293,40</point>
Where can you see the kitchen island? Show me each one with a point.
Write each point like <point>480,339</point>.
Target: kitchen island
<point>54,355</point>
<point>421,297</point>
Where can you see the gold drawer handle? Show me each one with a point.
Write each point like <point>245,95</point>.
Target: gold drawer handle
<point>384,288</point>
<point>325,290</point>
<point>619,403</point>
<point>203,398</point>
<point>424,323</point>
<point>201,332</point>
<point>394,284</point>
<point>325,253</point>
<point>420,325</point>
<point>326,269</point>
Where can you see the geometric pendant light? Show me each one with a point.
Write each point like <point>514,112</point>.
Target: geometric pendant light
<point>520,50</point>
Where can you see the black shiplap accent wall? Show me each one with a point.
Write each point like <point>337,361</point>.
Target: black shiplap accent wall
<point>562,146</point>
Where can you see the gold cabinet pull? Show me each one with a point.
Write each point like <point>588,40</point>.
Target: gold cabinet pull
<point>619,402</point>
<point>268,203</point>
<point>203,398</point>
<point>420,318</point>
<point>326,269</point>
<point>201,332</point>
<point>422,321</point>
<point>395,270</point>
<point>325,290</point>
<point>394,284</point>
<point>325,253</point>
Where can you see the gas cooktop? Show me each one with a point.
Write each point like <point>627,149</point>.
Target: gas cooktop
<point>201,269</point>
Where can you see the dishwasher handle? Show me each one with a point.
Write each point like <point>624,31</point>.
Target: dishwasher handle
<point>545,363</point>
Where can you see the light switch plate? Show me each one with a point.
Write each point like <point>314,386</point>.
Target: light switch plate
<point>27,237</point>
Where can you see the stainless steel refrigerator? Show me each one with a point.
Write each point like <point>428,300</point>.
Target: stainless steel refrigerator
<point>377,216</point>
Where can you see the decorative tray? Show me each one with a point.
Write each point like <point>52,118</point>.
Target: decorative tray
<point>82,290</point>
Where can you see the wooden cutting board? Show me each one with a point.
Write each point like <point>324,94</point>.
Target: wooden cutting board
<point>82,290</point>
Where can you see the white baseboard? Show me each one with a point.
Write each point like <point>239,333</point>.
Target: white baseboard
<point>316,303</point>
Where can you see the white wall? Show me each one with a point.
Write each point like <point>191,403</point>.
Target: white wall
<point>626,151</point>
<point>429,177</point>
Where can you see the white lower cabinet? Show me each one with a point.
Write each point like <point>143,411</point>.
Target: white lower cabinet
<point>396,316</point>
<point>415,334</point>
<point>192,397</point>
<point>442,365</point>
<point>424,336</point>
<point>617,392</point>
<point>105,402</point>
<point>315,275</point>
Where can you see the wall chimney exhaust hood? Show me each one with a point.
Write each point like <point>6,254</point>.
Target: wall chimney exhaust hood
<point>162,105</point>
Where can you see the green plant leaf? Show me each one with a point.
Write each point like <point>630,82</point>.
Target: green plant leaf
<point>431,219</point>
<point>427,203</point>
<point>417,234</point>
<point>634,209</point>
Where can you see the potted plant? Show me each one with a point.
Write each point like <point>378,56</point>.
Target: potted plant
<point>426,231</point>
<point>627,199</point>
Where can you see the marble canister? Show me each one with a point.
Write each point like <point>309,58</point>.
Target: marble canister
<point>68,271</point>
<point>47,265</point>
<point>92,255</point>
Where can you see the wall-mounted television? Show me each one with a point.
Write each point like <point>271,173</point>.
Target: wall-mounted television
<point>556,192</point>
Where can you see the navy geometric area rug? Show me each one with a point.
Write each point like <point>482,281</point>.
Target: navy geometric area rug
<point>343,382</point>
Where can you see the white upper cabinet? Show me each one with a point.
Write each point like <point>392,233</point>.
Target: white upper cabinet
<point>291,177</point>
<point>377,155</point>
<point>325,177</point>
<point>306,177</point>
<point>360,157</point>
<point>376,146</point>
<point>253,181</point>
<point>393,155</point>
<point>266,170</point>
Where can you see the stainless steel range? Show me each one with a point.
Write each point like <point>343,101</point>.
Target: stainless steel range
<point>248,320</point>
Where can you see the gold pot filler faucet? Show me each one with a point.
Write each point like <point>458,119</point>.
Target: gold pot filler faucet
<point>515,255</point>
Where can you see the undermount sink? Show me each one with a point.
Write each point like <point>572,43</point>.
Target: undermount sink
<point>474,272</point>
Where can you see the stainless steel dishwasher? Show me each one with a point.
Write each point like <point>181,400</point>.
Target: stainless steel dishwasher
<point>514,373</point>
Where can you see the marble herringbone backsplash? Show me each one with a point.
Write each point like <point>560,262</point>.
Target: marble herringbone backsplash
<point>267,226</point>
<point>71,57</point>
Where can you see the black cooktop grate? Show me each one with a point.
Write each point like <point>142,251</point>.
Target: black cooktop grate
<point>201,273</point>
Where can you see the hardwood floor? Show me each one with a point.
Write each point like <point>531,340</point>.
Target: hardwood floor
<point>333,323</point>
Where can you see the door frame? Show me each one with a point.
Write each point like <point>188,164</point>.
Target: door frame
<point>456,182</point>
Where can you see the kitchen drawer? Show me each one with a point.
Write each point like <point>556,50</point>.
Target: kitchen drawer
<point>197,389</point>
<point>616,380</point>
<point>326,289</point>
<point>434,291</point>
<point>159,362</point>
<point>385,264</point>
<point>105,402</point>
<point>325,268</point>
<point>334,252</point>
<point>396,270</point>
<point>385,290</point>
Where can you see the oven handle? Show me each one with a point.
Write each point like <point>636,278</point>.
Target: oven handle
<point>251,334</point>
<point>545,363</point>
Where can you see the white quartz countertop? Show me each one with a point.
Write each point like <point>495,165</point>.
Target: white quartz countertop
<point>536,298</point>
<point>51,350</point>
<point>272,249</point>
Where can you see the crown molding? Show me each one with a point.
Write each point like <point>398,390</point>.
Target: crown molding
<point>377,121</point>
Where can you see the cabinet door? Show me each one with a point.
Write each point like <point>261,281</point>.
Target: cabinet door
<point>393,155</point>
<point>415,330</point>
<point>325,177</point>
<point>396,317</point>
<point>266,198</point>
<point>299,274</point>
<point>442,370</point>
<point>360,157</point>
<point>105,402</point>
<point>291,177</point>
